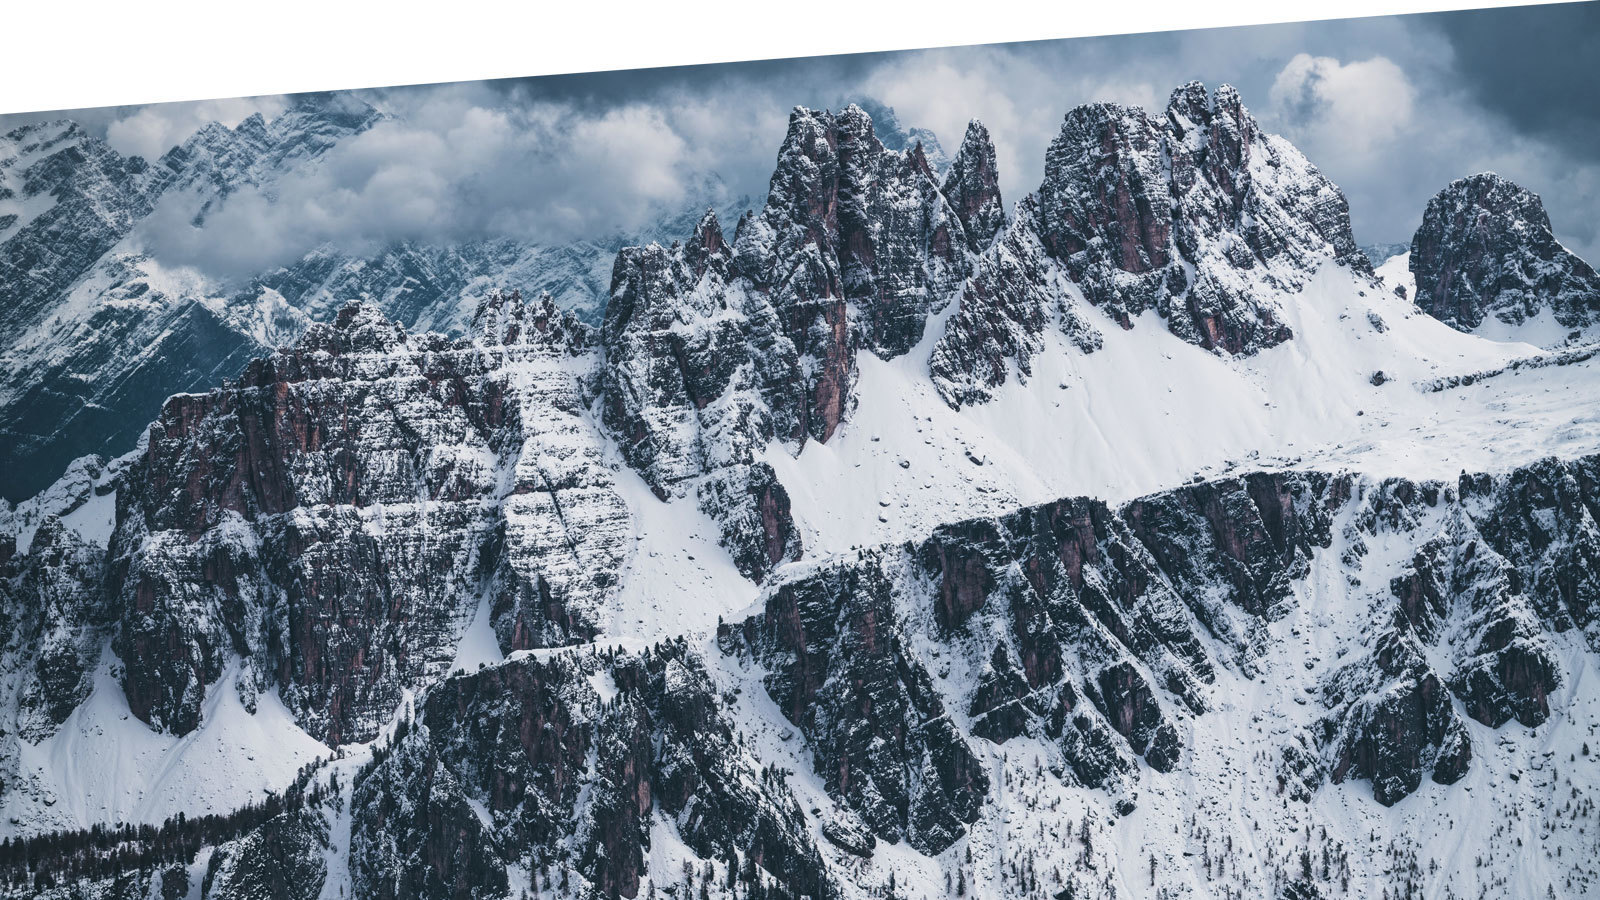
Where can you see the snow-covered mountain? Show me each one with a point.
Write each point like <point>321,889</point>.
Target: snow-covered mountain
<point>1136,540</point>
<point>98,328</point>
<point>1485,260</point>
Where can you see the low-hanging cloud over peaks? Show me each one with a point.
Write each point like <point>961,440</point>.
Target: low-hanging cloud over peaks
<point>444,168</point>
<point>1392,109</point>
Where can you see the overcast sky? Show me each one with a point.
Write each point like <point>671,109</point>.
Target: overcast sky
<point>1391,108</point>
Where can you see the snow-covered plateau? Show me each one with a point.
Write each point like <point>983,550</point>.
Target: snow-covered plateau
<point>1139,540</point>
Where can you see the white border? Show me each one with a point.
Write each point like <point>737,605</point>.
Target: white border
<point>103,53</point>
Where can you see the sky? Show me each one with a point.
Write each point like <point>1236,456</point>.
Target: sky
<point>1391,108</point>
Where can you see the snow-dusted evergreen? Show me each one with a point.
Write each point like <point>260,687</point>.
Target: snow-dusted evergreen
<point>1136,541</point>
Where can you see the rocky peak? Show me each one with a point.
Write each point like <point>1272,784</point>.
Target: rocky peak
<point>712,352</point>
<point>1486,248</point>
<point>851,224</point>
<point>1127,197</point>
<point>706,247</point>
<point>217,160</point>
<point>1199,216</point>
<point>357,328</point>
<point>1104,197</point>
<point>1216,138</point>
<point>972,186</point>
<point>504,318</point>
<point>895,135</point>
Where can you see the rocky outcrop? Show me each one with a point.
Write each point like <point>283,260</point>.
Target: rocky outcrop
<point>91,197</point>
<point>1199,216</point>
<point>1498,564</point>
<point>697,375</point>
<point>1096,629</point>
<point>583,751</point>
<point>842,671</point>
<point>101,325</point>
<point>1399,724</point>
<point>54,620</point>
<point>285,857</point>
<point>849,224</point>
<point>1080,624</point>
<point>282,518</point>
<point>1084,611</point>
<point>716,350</point>
<point>1253,536</point>
<point>420,834</point>
<point>53,614</point>
<point>1485,249</point>
<point>972,187</point>
<point>1008,307</point>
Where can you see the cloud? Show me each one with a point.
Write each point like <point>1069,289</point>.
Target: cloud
<point>461,164</point>
<point>1533,66</point>
<point>1353,108</point>
<point>151,131</point>
<point>1391,108</point>
<point>1020,94</point>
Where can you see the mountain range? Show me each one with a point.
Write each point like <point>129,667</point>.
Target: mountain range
<point>1139,538</point>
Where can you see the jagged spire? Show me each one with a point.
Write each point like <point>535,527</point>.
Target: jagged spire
<point>973,187</point>
<point>706,246</point>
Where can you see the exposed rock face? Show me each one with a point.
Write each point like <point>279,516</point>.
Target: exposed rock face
<point>696,371</point>
<point>1485,248</point>
<point>1199,216</point>
<point>1254,534</point>
<point>282,518</point>
<point>714,350</point>
<point>54,613</point>
<point>1232,180</point>
<point>973,188</point>
<point>1405,729</point>
<point>286,857</point>
<point>1067,620</point>
<point>1081,612</point>
<point>550,760</point>
<point>92,196</point>
<point>420,834</point>
<point>1015,296</point>
<point>849,225</point>
<point>842,672</point>
<point>99,326</point>
<point>1089,626</point>
<point>1499,563</point>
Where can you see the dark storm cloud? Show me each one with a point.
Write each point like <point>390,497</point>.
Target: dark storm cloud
<point>1539,67</point>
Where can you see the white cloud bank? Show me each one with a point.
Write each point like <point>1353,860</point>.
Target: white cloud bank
<point>1358,107</point>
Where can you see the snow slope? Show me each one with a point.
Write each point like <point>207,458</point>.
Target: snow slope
<point>1149,411</point>
<point>103,765</point>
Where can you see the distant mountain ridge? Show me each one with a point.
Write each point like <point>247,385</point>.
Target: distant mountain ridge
<point>96,332</point>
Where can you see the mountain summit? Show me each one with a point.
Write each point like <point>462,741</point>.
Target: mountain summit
<point>1485,249</point>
